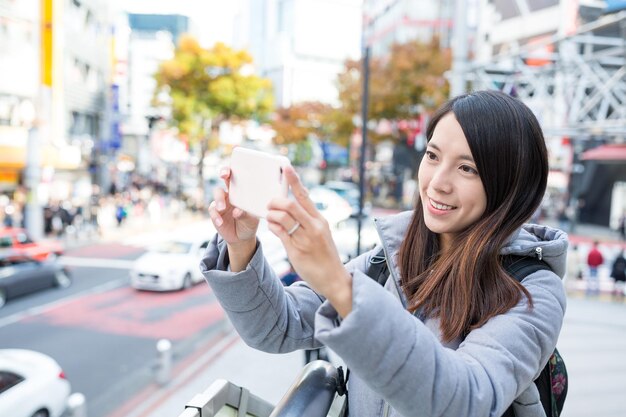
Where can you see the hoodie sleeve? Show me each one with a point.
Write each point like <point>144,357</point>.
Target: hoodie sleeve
<point>267,315</point>
<point>402,360</point>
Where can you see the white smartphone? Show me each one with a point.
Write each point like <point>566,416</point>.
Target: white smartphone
<point>255,179</point>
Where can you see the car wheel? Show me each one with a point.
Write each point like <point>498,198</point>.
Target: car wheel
<point>61,279</point>
<point>186,281</point>
<point>41,413</point>
<point>3,297</point>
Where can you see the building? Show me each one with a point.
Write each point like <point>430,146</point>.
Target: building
<point>83,105</point>
<point>151,41</point>
<point>400,21</point>
<point>68,86</point>
<point>565,59</point>
<point>300,45</point>
<point>145,24</point>
<point>19,60</point>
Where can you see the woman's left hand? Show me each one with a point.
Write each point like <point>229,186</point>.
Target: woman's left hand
<point>308,241</point>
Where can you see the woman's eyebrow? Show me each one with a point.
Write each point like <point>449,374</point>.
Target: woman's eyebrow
<point>463,156</point>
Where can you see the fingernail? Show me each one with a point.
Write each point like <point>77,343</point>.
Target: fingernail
<point>220,205</point>
<point>223,171</point>
<point>218,221</point>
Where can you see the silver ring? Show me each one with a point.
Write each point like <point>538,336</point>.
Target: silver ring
<point>293,229</point>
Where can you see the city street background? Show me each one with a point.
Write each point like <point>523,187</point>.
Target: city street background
<point>116,116</point>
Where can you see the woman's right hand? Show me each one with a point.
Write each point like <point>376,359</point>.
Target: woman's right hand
<point>234,225</point>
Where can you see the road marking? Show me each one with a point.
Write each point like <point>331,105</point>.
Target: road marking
<point>96,262</point>
<point>35,311</point>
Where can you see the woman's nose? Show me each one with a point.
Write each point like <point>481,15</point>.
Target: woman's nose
<point>441,180</point>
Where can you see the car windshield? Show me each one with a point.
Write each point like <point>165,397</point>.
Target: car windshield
<point>172,247</point>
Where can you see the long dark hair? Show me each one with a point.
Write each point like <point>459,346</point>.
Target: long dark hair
<point>466,286</point>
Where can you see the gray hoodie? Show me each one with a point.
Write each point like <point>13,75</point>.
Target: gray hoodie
<point>396,359</point>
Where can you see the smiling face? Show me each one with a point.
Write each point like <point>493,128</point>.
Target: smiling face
<point>451,191</point>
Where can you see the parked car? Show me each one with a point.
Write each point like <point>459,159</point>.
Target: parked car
<point>31,385</point>
<point>333,207</point>
<point>18,239</point>
<point>170,265</point>
<point>20,275</point>
<point>350,192</point>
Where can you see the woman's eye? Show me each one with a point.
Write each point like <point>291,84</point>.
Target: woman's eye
<point>430,155</point>
<point>468,169</point>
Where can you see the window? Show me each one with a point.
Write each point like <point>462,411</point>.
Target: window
<point>6,242</point>
<point>507,8</point>
<point>8,380</point>
<point>541,4</point>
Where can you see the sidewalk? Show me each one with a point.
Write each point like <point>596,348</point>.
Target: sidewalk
<point>265,375</point>
<point>133,227</point>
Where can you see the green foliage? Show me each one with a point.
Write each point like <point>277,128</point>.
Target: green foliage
<point>411,77</point>
<point>211,85</point>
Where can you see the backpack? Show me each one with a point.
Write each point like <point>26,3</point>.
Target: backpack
<point>552,381</point>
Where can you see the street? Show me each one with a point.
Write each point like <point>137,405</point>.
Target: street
<point>102,332</point>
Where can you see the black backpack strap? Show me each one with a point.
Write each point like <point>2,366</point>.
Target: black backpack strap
<point>519,267</point>
<point>378,270</point>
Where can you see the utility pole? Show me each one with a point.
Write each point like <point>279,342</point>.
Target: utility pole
<point>39,122</point>
<point>459,49</point>
<point>364,111</point>
<point>366,51</point>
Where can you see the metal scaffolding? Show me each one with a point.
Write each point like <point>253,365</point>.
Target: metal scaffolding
<point>577,85</point>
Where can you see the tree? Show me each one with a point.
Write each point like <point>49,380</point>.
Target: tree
<point>302,122</point>
<point>294,124</point>
<point>416,77</point>
<point>208,86</point>
<point>411,77</point>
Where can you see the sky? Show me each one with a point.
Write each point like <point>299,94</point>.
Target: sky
<point>212,19</point>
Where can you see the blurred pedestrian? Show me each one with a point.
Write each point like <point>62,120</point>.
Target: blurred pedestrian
<point>618,273</point>
<point>594,260</point>
<point>120,213</point>
<point>290,277</point>
<point>574,267</point>
<point>564,221</point>
<point>621,227</point>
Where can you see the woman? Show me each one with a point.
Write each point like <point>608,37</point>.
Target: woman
<point>451,334</point>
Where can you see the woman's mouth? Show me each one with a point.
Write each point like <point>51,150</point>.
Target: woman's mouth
<point>440,206</point>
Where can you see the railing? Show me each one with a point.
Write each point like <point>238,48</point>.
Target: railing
<point>311,395</point>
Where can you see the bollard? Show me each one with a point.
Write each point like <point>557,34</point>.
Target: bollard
<point>164,361</point>
<point>76,405</point>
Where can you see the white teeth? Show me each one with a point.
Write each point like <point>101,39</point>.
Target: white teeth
<point>440,206</point>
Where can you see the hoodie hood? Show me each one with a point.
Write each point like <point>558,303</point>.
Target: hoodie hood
<point>547,243</point>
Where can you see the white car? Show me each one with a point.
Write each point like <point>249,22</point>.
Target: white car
<point>331,205</point>
<point>350,192</point>
<point>31,385</point>
<point>170,265</point>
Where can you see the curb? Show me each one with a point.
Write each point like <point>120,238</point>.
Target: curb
<point>149,399</point>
